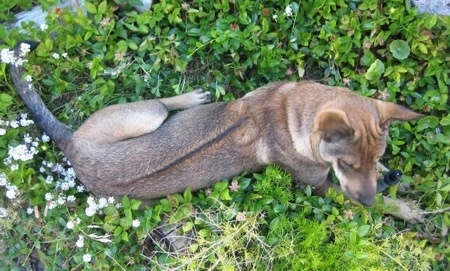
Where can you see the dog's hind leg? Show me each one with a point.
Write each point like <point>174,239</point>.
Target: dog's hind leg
<point>123,121</point>
<point>187,100</point>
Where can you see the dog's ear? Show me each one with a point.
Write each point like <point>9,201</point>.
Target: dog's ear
<point>390,112</point>
<point>333,125</point>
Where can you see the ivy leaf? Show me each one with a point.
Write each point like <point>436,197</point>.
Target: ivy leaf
<point>445,121</point>
<point>375,70</point>
<point>427,122</point>
<point>400,49</point>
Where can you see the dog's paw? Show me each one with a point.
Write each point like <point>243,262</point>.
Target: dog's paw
<point>200,96</point>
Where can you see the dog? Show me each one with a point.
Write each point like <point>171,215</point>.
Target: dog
<point>141,150</point>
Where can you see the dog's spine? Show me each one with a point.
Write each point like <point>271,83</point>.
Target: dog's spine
<point>56,130</point>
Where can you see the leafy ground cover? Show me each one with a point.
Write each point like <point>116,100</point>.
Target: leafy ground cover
<point>112,55</point>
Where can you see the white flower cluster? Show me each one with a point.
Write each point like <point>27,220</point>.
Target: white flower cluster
<point>68,177</point>
<point>3,213</point>
<point>22,121</point>
<point>43,27</point>
<point>7,56</point>
<point>11,190</point>
<point>87,257</point>
<point>61,178</point>
<point>80,241</point>
<point>58,56</point>
<point>96,205</point>
<point>288,11</point>
<point>136,223</point>
<point>22,152</point>
<point>70,225</point>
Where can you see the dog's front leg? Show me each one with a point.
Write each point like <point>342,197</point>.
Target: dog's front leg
<point>321,190</point>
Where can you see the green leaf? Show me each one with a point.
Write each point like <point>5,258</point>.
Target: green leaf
<point>375,70</point>
<point>445,121</point>
<point>427,122</point>
<point>91,8</point>
<point>5,98</point>
<point>187,195</point>
<point>363,230</point>
<point>220,186</point>
<point>102,7</point>
<point>125,202</point>
<point>400,49</point>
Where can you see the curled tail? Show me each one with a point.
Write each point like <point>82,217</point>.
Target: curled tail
<point>58,132</point>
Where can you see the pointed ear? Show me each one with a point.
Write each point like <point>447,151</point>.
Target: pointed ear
<point>333,125</point>
<point>390,112</point>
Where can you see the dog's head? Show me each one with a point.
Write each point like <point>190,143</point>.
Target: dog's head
<point>350,135</point>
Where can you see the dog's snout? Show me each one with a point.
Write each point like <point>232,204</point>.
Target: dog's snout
<point>367,201</point>
<point>367,198</point>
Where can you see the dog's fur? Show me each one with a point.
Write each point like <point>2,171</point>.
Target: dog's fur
<point>139,150</point>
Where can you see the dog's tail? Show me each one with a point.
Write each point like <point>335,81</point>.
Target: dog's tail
<point>56,130</point>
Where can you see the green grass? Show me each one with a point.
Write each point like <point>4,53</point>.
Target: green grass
<point>257,222</point>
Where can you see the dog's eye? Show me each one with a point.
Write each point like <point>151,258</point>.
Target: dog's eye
<point>344,164</point>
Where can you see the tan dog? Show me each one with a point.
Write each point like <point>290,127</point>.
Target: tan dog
<point>137,149</point>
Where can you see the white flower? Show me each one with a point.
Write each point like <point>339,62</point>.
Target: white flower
<point>80,241</point>
<point>7,56</point>
<point>65,186</point>
<point>71,198</point>
<point>55,55</point>
<point>71,173</point>
<point>45,138</point>
<point>49,179</point>
<point>87,258</point>
<point>275,16</point>
<point>43,27</point>
<point>28,78</point>
<point>12,191</point>
<point>111,200</point>
<point>90,211</point>
<point>48,196</point>
<point>3,213</point>
<point>61,199</point>
<point>27,139</point>
<point>30,210</point>
<point>22,152</point>
<point>25,48</point>
<point>64,55</point>
<point>24,121</point>
<point>288,10</point>
<point>14,124</point>
<point>14,167</point>
<point>71,183</point>
<point>91,201</point>
<point>102,203</point>
<point>80,188</point>
<point>58,168</point>
<point>70,225</point>
<point>3,179</point>
<point>135,223</point>
<point>52,205</point>
<point>2,131</point>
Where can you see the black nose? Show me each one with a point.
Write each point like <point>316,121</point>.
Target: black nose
<point>367,201</point>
